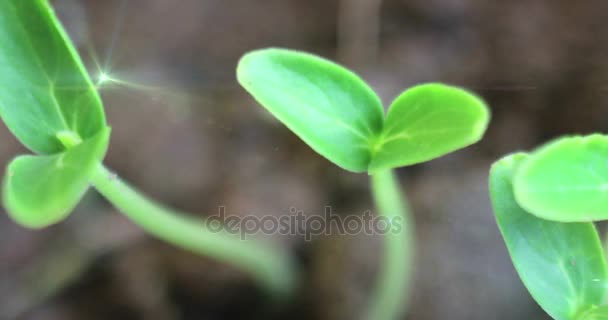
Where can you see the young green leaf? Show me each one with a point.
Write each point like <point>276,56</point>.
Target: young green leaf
<point>327,106</point>
<point>44,88</point>
<point>426,122</point>
<point>561,264</point>
<point>341,118</point>
<point>42,190</point>
<point>566,180</point>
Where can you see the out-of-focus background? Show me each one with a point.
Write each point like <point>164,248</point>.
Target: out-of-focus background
<point>188,135</point>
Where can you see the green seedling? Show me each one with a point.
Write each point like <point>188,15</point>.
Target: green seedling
<point>339,116</point>
<point>49,103</point>
<point>545,204</point>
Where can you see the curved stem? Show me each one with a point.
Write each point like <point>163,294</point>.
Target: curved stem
<point>272,268</point>
<point>390,297</point>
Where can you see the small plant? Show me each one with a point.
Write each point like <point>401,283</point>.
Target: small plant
<point>545,205</point>
<point>49,103</point>
<point>338,115</point>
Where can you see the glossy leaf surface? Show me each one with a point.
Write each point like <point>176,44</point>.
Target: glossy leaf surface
<point>428,121</point>
<point>42,190</point>
<point>561,264</point>
<point>599,313</point>
<point>44,88</point>
<point>566,180</point>
<point>327,106</point>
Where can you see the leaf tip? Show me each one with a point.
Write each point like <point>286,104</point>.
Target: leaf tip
<point>249,61</point>
<point>18,211</point>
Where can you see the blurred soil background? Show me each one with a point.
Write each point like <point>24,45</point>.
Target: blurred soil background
<point>189,136</point>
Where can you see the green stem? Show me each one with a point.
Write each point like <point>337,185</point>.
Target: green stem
<point>272,268</point>
<point>390,297</point>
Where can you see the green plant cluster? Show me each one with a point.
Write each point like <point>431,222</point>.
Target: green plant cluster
<point>545,202</point>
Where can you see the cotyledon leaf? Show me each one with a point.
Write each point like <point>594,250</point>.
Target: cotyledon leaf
<point>426,122</point>
<point>561,264</point>
<point>566,180</point>
<point>327,106</point>
<point>44,88</point>
<point>41,190</point>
